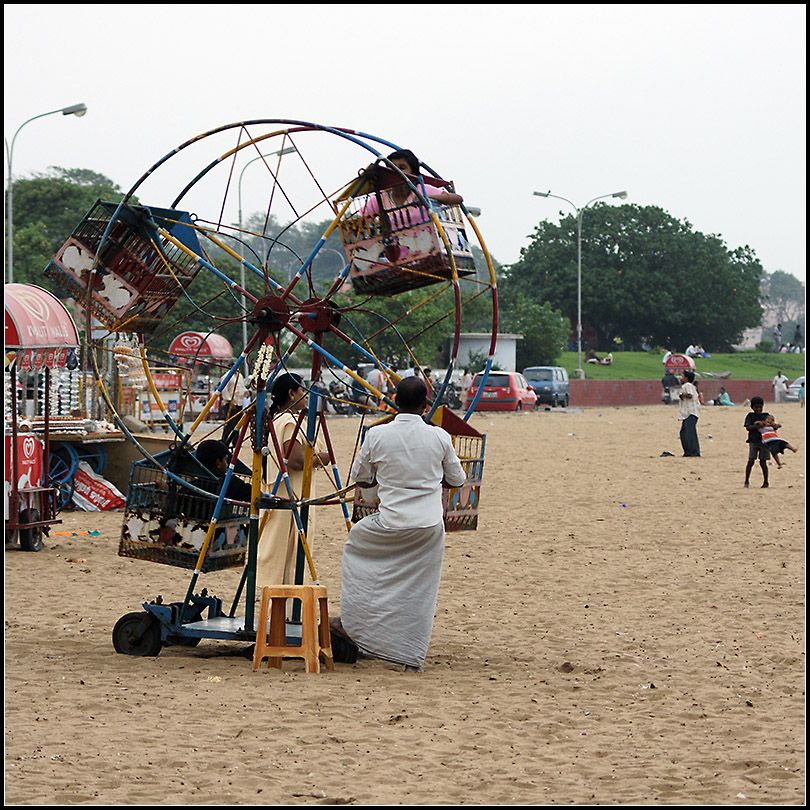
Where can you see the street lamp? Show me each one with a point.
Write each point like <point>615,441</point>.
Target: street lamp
<point>75,109</point>
<point>622,195</point>
<point>280,152</point>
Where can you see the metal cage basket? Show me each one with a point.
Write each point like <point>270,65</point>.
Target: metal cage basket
<point>140,274</point>
<point>395,248</point>
<point>460,503</point>
<point>166,522</point>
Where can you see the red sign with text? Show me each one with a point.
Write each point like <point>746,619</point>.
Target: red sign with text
<point>29,461</point>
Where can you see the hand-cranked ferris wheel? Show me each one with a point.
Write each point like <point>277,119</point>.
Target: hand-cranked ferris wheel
<point>408,277</point>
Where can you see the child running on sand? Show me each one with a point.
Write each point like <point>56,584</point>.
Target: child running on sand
<point>771,440</point>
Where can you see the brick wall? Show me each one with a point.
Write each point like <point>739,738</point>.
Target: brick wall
<point>586,393</point>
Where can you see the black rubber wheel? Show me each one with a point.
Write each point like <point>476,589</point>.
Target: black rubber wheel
<point>182,641</point>
<point>31,538</point>
<point>137,634</point>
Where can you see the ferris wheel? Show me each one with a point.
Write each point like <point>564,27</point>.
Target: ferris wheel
<point>388,278</point>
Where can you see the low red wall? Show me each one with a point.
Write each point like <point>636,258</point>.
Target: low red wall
<point>648,392</point>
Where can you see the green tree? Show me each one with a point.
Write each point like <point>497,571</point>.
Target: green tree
<point>645,276</point>
<point>545,331</point>
<point>47,209</point>
<point>783,299</point>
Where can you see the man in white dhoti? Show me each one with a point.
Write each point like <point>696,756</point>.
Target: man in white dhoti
<point>392,560</point>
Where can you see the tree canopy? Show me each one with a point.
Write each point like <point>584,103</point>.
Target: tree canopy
<point>47,209</point>
<point>783,297</point>
<point>645,277</point>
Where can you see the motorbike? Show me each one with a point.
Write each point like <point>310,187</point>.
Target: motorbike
<point>344,400</point>
<point>452,397</point>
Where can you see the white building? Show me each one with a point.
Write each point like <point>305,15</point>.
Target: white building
<point>477,343</point>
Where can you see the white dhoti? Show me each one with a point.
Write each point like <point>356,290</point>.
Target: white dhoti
<point>390,588</point>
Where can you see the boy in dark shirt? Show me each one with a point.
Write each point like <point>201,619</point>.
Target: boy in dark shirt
<point>756,449</point>
<point>214,455</point>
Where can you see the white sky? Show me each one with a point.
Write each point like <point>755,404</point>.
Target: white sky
<point>699,109</point>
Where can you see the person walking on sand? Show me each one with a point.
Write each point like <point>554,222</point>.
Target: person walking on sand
<point>688,415</point>
<point>754,422</point>
<point>779,385</point>
<point>392,561</point>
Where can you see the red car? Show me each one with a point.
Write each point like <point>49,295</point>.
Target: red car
<point>504,391</point>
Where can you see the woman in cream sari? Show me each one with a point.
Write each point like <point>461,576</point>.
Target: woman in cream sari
<point>278,541</point>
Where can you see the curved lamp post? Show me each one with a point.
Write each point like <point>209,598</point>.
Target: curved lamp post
<point>622,195</point>
<point>280,152</point>
<point>75,109</point>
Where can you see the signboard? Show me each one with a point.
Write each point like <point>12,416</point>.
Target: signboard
<point>93,493</point>
<point>29,461</point>
<point>679,362</point>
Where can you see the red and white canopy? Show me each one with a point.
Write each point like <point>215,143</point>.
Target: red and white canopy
<point>38,329</point>
<point>679,362</point>
<point>202,347</point>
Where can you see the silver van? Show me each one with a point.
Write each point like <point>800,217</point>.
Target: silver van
<point>550,383</point>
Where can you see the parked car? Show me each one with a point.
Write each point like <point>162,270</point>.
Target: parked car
<point>793,390</point>
<point>550,383</point>
<point>503,391</point>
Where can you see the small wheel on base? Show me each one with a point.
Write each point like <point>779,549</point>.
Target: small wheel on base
<point>137,634</point>
<point>31,538</point>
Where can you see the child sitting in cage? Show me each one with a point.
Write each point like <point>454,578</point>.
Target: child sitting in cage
<point>402,194</point>
<point>213,455</point>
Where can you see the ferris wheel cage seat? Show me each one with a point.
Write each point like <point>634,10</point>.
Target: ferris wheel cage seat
<point>135,283</point>
<point>460,503</point>
<point>165,522</point>
<point>401,248</point>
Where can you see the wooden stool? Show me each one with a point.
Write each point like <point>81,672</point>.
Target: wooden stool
<point>315,639</point>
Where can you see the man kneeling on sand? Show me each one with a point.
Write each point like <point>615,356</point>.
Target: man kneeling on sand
<point>392,560</point>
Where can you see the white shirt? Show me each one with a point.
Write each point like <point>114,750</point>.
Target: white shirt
<point>235,390</point>
<point>376,379</point>
<point>780,382</point>
<point>691,405</point>
<point>408,459</point>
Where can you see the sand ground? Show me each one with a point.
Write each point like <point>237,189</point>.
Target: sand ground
<point>623,628</point>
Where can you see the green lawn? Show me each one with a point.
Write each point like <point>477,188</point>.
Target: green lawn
<point>648,366</point>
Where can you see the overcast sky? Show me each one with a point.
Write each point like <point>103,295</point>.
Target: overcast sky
<point>698,109</point>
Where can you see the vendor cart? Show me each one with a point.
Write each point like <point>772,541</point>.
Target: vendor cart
<point>40,336</point>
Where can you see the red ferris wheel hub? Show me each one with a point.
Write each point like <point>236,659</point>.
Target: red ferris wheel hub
<point>271,313</point>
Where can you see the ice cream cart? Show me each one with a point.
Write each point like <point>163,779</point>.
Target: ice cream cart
<point>40,337</point>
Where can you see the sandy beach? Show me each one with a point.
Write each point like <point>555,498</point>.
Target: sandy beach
<point>623,628</point>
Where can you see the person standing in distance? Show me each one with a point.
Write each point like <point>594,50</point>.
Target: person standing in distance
<point>779,384</point>
<point>688,414</point>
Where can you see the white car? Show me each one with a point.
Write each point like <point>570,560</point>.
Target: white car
<point>793,390</point>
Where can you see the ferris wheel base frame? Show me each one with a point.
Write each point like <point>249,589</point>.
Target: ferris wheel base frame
<point>145,634</point>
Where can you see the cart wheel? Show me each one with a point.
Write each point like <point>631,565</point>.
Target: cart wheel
<point>31,538</point>
<point>137,634</point>
<point>64,462</point>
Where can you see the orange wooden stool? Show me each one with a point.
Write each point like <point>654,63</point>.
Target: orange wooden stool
<point>315,638</point>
